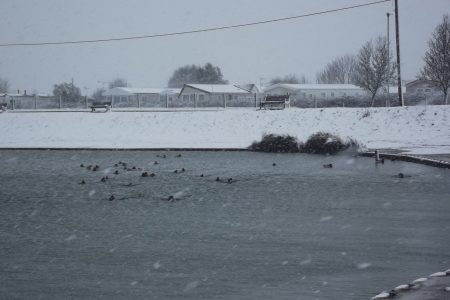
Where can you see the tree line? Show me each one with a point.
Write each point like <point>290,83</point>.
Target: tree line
<point>371,68</point>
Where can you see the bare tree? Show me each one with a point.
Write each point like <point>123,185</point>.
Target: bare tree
<point>118,82</point>
<point>67,91</point>
<point>4,85</point>
<point>290,79</point>
<point>97,95</point>
<point>437,58</point>
<point>373,69</point>
<point>341,70</point>
<point>207,74</point>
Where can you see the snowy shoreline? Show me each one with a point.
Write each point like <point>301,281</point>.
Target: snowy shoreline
<point>413,130</point>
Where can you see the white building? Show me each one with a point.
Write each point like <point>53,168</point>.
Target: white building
<point>141,97</point>
<point>423,91</point>
<point>218,95</point>
<point>316,91</point>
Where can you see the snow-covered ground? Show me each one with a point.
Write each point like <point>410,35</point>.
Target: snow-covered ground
<point>419,129</point>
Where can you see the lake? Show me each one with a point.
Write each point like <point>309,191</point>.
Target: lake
<point>293,230</point>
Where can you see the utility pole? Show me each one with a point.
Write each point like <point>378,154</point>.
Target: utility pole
<point>388,58</point>
<point>399,76</point>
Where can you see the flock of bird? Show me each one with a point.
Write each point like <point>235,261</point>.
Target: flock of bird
<point>122,167</point>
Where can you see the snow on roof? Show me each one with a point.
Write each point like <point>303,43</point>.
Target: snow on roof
<point>11,95</point>
<point>249,87</point>
<point>125,91</point>
<point>217,88</point>
<point>394,89</point>
<point>317,86</point>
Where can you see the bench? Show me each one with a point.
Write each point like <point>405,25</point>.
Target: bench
<point>3,106</point>
<point>96,105</point>
<point>274,102</point>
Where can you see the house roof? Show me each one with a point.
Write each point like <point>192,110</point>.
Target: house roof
<point>318,86</point>
<point>248,87</point>
<point>418,81</point>
<point>216,88</point>
<point>126,91</point>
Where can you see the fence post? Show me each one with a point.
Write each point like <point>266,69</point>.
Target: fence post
<point>139,101</point>
<point>224,101</point>
<point>13,100</point>
<point>59,102</point>
<point>195,101</point>
<point>35,101</point>
<point>167,100</point>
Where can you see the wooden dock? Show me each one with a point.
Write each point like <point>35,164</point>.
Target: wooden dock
<point>409,158</point>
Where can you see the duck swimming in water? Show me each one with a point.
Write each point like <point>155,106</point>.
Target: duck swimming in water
<point>328,166</point>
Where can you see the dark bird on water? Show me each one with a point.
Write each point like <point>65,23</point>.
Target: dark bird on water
<point>111,198</point>
<point>328,165</point>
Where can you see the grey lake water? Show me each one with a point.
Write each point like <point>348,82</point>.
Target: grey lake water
<point>295,230</point>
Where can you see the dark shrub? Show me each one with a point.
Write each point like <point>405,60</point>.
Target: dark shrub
<point>276,143</point>
<point>325,143</point>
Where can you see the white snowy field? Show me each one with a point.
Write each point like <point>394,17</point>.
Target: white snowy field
<point>419,129</point>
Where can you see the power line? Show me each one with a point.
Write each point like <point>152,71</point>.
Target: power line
<point>194,31</point>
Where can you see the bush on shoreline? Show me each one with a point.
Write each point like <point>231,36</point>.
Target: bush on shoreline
<point>276,143</point>
<point>325,143</point>
<point>318,143</point>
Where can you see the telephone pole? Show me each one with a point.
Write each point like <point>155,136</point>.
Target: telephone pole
<point>399,76</point>
<point>388,59</point>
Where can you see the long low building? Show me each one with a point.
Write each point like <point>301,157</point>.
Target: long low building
<point>316,91</point>
<point>224,95</point>
<point>141,97</point>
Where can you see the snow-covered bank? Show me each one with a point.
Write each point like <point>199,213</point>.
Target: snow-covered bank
<point>417,129</point>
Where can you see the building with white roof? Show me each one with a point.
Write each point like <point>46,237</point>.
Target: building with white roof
<point>218,95</point>
<point>311,95</point>
<point>140,97</point>
<point>316,91</point>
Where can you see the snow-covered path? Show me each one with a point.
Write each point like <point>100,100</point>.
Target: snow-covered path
<point>421,130</point>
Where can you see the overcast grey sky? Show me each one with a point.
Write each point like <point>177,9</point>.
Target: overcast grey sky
<point>301,46</point>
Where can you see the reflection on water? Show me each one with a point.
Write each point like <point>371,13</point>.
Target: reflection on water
<point>293,230</point>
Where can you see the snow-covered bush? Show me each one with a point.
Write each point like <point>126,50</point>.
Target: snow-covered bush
<point>276,143</point>
<point>326,143</point>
